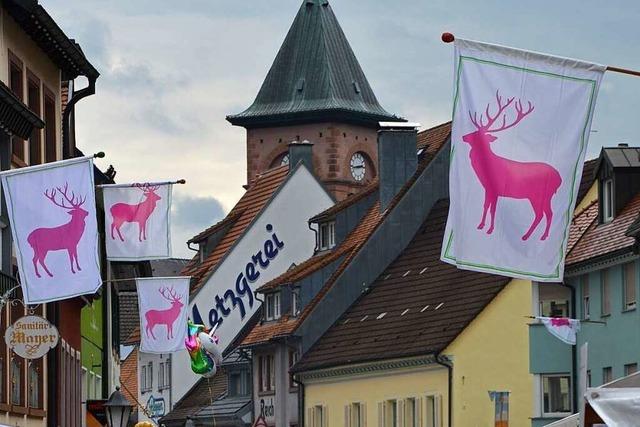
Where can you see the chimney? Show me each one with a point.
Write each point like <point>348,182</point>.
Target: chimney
<point>397,158</point>
<point>301,152</point>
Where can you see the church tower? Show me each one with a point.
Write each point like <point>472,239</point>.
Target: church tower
<point>316,91</point>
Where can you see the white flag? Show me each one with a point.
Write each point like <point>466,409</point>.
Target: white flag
<point>137,221</point>
<point>562,328</point>
<point>521,123</point>
<point>163,303</point>
<point>52,213</point>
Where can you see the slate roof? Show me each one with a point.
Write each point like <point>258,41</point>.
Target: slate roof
<point>588,178</point>
<point>623,157</point>
<point>602,239</point>
<point>418,306</point>
<point>314,77</point>
<point>345,203</point>
<point>129,316</point>
<point>344,253</point>
<point>167,267</point>
<point>245,211</point>
<point>224,407</point>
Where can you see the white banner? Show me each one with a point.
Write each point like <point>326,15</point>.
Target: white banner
<point>52,212</point>
<point>163,303</point>
<point>521,122</point>
<point>562,328</point>
<point>137,221</point>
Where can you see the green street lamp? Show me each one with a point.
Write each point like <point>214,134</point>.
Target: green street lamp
<point>118,409</point>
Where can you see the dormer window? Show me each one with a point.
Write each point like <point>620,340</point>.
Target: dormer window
<point>607,200</point>
<point>327,236</point>
<point>272,302</point>
<point>295,301</point>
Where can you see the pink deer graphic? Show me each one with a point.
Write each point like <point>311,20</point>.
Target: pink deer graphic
<point>64,237</point>
<point>164,317</point>
<point>538,182</point>
<point>140,213</point>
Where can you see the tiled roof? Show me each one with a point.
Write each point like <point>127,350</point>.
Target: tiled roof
<point>129,376</point>
<point>588,177</point>
<point>248,207</point>
<point>170,267</point>
<point>345,203</point>
<point>129,316</point>
<point>204,393</point>
<point>431,139</point>
<point>226,222</point>
<point>581,222</point>
<point>602,239</point>
<point>418,306</point>
<point>634,228</point>
<point>285,325</point>
<point>349,248</point>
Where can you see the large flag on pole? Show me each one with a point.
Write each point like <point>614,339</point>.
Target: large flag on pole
<point>52,213</point>
<point>137,221</point>
<point>163,304</point>
<point>521,122</point>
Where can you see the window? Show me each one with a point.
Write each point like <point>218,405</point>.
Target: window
<point>607,200</point>
<point>295,301</point>
<point>50,133</point>
<point>556,394</point>
<point>33,376</point>
<point>273,306</point>
<point>630,286</point>
<point>267,373</point>
<point>501,408</point>
<point>607,375</point>
<point>432,411</point>
<point>17,366</point>
<point>584,280</point>
<point>355,415</point>
<point>16,84</point>
<point>238,384</point>
<point>631,368</point>
<point>293,359</point>
<point>390,416</point>
<point>554,300</point>
<point>327,235</point>
<point>150,376</point>
<point>143,379</point>
<point>411,417</point>
<point>605,303</point>
<point>318,416</point>
<point>589,378</point>
<point>33,102</point>
<point>167,375</point>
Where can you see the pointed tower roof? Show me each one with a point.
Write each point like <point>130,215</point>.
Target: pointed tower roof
<point>315,77</point>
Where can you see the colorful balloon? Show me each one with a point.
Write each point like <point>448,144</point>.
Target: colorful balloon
<point>203,350</point>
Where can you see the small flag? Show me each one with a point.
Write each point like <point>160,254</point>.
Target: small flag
<point>137,221</point>
<point>52,212</point>
<point>163,304</point>
<point>563,328</point>
<point>521,123</point>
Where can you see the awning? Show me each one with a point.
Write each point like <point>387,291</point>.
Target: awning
<point>15,117</point>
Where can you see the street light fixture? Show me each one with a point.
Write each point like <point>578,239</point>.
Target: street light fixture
<point>118,409</point>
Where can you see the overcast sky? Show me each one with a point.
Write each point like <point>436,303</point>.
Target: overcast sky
<point>171,72</point>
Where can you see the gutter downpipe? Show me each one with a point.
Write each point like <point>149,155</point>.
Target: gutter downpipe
<point>66,115</point>
<point>443,361</point>
<point>574,352</point>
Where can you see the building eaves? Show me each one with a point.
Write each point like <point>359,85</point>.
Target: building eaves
<point>226,222</point>
<point>40,26</point>
<point>345,203</point>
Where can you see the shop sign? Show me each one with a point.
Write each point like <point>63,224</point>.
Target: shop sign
<point>156,407</point>
<point>31,337</point>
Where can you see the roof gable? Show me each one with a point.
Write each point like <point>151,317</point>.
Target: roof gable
<point>315,76</point>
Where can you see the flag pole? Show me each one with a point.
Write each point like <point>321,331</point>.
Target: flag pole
<point>450,38</point>
<point>179,181</point>
<point>581,321</point>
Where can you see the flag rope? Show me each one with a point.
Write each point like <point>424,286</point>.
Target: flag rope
<point>450,38</point>
<point>179,181</point>
<point>581,321</point>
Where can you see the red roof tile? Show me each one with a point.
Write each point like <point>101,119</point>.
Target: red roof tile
<point>246,210</point>
<point>345,203</point>
<point>431,139</point>
<point>601,239</point>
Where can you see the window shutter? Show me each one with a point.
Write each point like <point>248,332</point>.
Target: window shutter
<point>309,421</point>
<point>347,416</point>
<point>420,402</point>
<point>400,415</point>
<point>363,414</point>
<point>325,416</point>
<point>438,410</point>
<point>380,414</point>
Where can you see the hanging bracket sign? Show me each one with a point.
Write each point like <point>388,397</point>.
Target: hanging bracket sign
<point>31,337</point>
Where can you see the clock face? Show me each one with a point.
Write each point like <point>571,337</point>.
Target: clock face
<point>285,160</point>
<point>358,166</point>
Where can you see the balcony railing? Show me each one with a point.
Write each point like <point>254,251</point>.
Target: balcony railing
<point>7,282</point>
